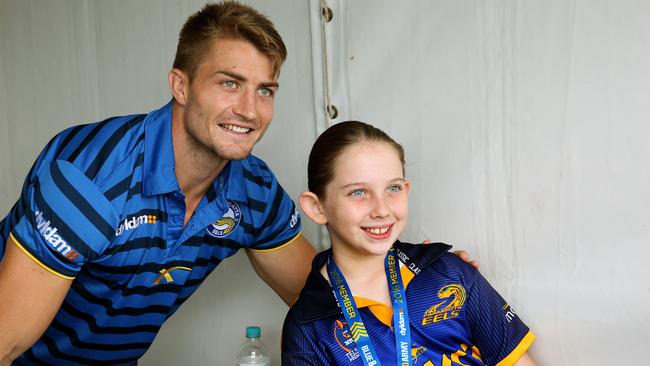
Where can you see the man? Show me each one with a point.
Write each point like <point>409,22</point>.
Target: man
<point>138,210</point>
<point>120,221</point>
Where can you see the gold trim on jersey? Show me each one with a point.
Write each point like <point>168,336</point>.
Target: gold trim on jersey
<point>519,351</point>
<point>276,248</point>
<point>13,238</point>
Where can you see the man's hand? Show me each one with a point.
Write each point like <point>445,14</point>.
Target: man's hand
<point>462,255</point>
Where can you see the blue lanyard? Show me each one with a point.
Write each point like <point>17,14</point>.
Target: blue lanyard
<point>353,318</point>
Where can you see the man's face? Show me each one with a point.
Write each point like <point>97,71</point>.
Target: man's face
<point>230,99</point>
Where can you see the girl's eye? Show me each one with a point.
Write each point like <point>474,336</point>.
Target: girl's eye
<point>394,188</point>
<point>357,193</point>
<point>266,92</point>
<point>229,84</point>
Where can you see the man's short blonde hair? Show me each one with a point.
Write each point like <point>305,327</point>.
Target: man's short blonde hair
<point>226,20</point>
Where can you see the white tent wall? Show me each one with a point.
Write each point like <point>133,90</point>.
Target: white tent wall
<point>524,122</point>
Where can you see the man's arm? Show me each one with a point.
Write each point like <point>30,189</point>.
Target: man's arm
<point>285,269</point>
<point>525,360</point>
<point>30,298</point>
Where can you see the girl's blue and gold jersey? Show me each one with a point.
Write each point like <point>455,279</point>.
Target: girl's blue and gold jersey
<point>102,206</point>
<point>456,317</point>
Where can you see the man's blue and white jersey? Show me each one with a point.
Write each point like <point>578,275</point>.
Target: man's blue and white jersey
<point>102,206</point>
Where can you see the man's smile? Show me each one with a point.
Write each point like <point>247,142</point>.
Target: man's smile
<point>234,128</point>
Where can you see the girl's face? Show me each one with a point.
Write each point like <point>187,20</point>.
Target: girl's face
<point>366,204</point>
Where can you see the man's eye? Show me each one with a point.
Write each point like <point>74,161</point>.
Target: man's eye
<point>229,84</point>
<point>266,92</point>
<point>357,193</point>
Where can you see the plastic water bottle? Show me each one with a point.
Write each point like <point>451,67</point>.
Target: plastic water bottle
<point>253,352</point>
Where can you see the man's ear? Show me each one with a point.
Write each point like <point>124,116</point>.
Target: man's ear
<point>311,206</point>
<point>179,84</point>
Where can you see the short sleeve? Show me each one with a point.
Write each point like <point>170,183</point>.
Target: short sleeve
<point>281,220</point>
<point>67,220</point>
<point>498,331</point>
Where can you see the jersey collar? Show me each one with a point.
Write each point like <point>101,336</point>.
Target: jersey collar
<point>159,176</point>
<point>316,300</point>
<point>158,166</point>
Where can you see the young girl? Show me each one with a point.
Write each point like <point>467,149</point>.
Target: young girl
<point>372,300</point>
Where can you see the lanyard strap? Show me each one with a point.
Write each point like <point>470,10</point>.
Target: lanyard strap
<point>353,317</point>
<point>400,310</point>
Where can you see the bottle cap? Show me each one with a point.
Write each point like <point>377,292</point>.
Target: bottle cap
<point>253,332</point>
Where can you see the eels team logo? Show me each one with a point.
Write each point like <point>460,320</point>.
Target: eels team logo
<point>453,299</point>
<point>227,223</point>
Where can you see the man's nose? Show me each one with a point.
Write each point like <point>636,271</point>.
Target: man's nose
<point>246,105</point>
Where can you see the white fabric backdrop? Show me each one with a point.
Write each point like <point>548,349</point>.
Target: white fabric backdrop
<point>524,124</point>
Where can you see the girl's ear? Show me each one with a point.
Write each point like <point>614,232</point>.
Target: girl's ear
<point>311,206</point>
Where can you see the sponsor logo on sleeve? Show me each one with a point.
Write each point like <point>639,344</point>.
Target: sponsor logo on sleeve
<point>294,218</point>
<point>453,297</point>
<point>51,236</point>
<point>509,312</point>
<point>227,223</point>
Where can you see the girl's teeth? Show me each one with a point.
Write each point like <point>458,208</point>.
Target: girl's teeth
<point>378,231</point>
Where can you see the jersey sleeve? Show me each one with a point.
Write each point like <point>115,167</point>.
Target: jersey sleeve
<point>281,220</point>
<point>498,331</point>
<point>67,220</point>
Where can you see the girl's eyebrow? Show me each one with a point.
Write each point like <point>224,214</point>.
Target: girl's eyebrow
<point>355,184</point>
<point>360,184</point>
